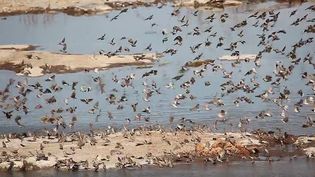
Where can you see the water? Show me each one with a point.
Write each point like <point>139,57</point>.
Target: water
<point>81,33</point>
<point>284,168</point>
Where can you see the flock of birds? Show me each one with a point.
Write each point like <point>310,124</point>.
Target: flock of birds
<point>14,107</point>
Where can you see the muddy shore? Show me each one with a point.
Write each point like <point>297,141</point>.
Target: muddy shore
<point>138,147</point>
<point>22,60</point>
<point>81,7</point>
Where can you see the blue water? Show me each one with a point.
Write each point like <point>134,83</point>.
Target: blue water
<point>81,33</point>
<point>283,168</point>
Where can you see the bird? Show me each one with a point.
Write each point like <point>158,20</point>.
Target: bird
<point>86,100</point>
<point>51,78</point>
<point>64,48</point>
<point>62,42</point>
<point>115,17</point>
<point>252,71</point>
<point>17,121</point>
<point>178,40</point>
<point>51,100</point>
<point>178,77</point>
<point>222,114</point>
<point>147,110</point>
<point>112,42</point>
<point>254,15</point>
<point>102,37</point>
<point>196,13</point>
<point>8,114</point>
<point>4,145</point>
<point>149,18</point>
<point>149,47</point>
<point>267,78</point>
<point>123,11</point>
<point>293,12</point>
<point>134,107</point>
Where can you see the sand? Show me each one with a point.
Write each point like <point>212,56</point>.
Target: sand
<point>16,47</point>
<point>80,7</point>
<point>9,7</point>
<point>130,149</point>
<point>143,147</point>
<point>203,3</point>
<point>240,57</point>
<point>36,63</point>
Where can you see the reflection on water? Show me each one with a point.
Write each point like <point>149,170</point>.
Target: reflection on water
<point>81,35</point>
<point>295,168</point>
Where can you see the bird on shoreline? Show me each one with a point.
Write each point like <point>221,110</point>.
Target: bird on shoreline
<point>195,77</point>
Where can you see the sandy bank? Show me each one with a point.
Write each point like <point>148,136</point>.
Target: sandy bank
<point>131,149</point>
<point>239,57</point>
<point>17,47</point>
<point>123,149</point>
<point>72,7</point>
<point>80,7</point>
<point>36,63</point>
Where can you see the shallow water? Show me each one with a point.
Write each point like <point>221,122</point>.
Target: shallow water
<point>284,168</point>
<point>81,33</point>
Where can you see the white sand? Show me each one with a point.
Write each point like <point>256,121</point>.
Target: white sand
<point>14,55</point>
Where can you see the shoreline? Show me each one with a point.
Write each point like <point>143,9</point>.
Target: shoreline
<point>92,7</point>
<point>25,61</point>
<point>101,150</point>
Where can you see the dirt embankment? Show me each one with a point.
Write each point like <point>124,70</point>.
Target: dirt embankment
<point>22,60</point>
<point>80,7</point>
<point>138,147</point>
